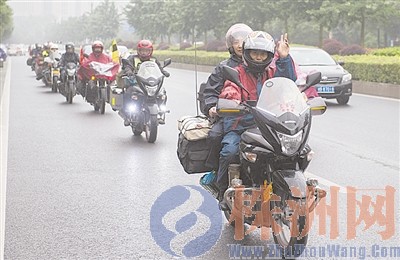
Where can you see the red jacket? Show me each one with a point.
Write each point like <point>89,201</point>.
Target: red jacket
<point>102,58</point>
<point>248,80</point>
<point>278,68</point>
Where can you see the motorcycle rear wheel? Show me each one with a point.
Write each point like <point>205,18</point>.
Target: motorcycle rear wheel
<point>151,129</point>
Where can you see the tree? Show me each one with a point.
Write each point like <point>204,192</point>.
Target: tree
<point>103,21</point>
<point>6,26</point>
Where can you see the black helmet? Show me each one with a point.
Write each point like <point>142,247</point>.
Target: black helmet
<point>69,46</point>
<point>258,41</point>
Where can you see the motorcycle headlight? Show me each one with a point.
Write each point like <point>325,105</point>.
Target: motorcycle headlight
<point>132,109</point>
<point>70,72</point>
<point>290,143</point>
<point>346,78</point>
<point>151,90</point>
<point>251,157</point>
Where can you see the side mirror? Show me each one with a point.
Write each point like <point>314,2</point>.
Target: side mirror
<point>317,106</point>
<point>232,75</point>
<point>167,62</point>
<point>125,63</point>
<point>313,79</point>
<point>341,63</point>
<point>57,59</point>
<point>86,55</point>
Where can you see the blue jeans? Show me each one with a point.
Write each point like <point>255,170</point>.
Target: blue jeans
<point>229,154</point>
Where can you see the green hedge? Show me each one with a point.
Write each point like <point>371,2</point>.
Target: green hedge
<point>384,69</point>
<point>203,57</point>
<point>392,51</point>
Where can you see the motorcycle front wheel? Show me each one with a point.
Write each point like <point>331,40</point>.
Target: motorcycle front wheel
<point>135,131</point>
<point>70,97</point>
<point>291,246</point>
<point>102,106</point>
<point>151,129</point>
<point>54,86</point>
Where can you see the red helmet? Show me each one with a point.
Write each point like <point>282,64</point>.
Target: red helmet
<point>144,49</point>
<point>97,45</point>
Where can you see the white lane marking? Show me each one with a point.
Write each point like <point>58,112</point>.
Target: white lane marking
<point>5,101</point>
<point>377,97</point>
<point>325,182</point>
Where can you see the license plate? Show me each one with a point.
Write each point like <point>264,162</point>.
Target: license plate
<point>326,89</point>
<point>56,72</point>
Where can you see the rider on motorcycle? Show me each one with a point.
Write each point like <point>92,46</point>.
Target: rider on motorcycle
<point>258,65</point>
<point>144,53</point>
<point>68,56</point>
<point>234,40</point>
<point>96,55</point>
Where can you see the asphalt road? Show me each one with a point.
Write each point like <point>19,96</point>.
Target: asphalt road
<point>81,186</point>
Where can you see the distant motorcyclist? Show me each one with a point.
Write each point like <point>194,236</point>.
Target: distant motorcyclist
<point>97,55</point>
<point>144,53</point>
<point>36,50</point>
<point>68,56</point>
<point>48,55</point>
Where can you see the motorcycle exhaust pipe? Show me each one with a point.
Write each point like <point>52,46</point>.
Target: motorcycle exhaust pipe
<point>230,193</point>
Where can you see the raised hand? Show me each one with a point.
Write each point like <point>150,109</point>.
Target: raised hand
<point>283,46</point>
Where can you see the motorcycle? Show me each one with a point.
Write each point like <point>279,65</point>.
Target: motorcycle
<point>144,101</point>
<point>96,90</point>
<point>273,159</point>
<point>68,88</point>
<point>51,73</point>
<point>39,65</point>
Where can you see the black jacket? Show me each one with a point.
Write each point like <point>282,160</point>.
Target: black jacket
<point>69,57</point>
<point>215,82</point>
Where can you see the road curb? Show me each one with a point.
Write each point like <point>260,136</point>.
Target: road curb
<point>360,87</point>
<point>4,113</point>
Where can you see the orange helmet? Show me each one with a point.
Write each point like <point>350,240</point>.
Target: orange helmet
<point>144,49</point>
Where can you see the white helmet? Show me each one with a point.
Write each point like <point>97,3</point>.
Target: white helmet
<point>53,46</point>
<point>237,32</point>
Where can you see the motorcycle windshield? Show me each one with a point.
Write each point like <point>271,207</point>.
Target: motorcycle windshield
<point>281,95</point>
<point>149,69</point>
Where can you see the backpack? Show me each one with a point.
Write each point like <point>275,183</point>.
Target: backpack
<point>193,148</point>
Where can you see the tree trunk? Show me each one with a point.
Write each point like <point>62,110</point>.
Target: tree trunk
<point>385,38</point>
<point>193,36</point>
<point>362,36</point>
<point>379,38</point>
<point>321,35</point>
